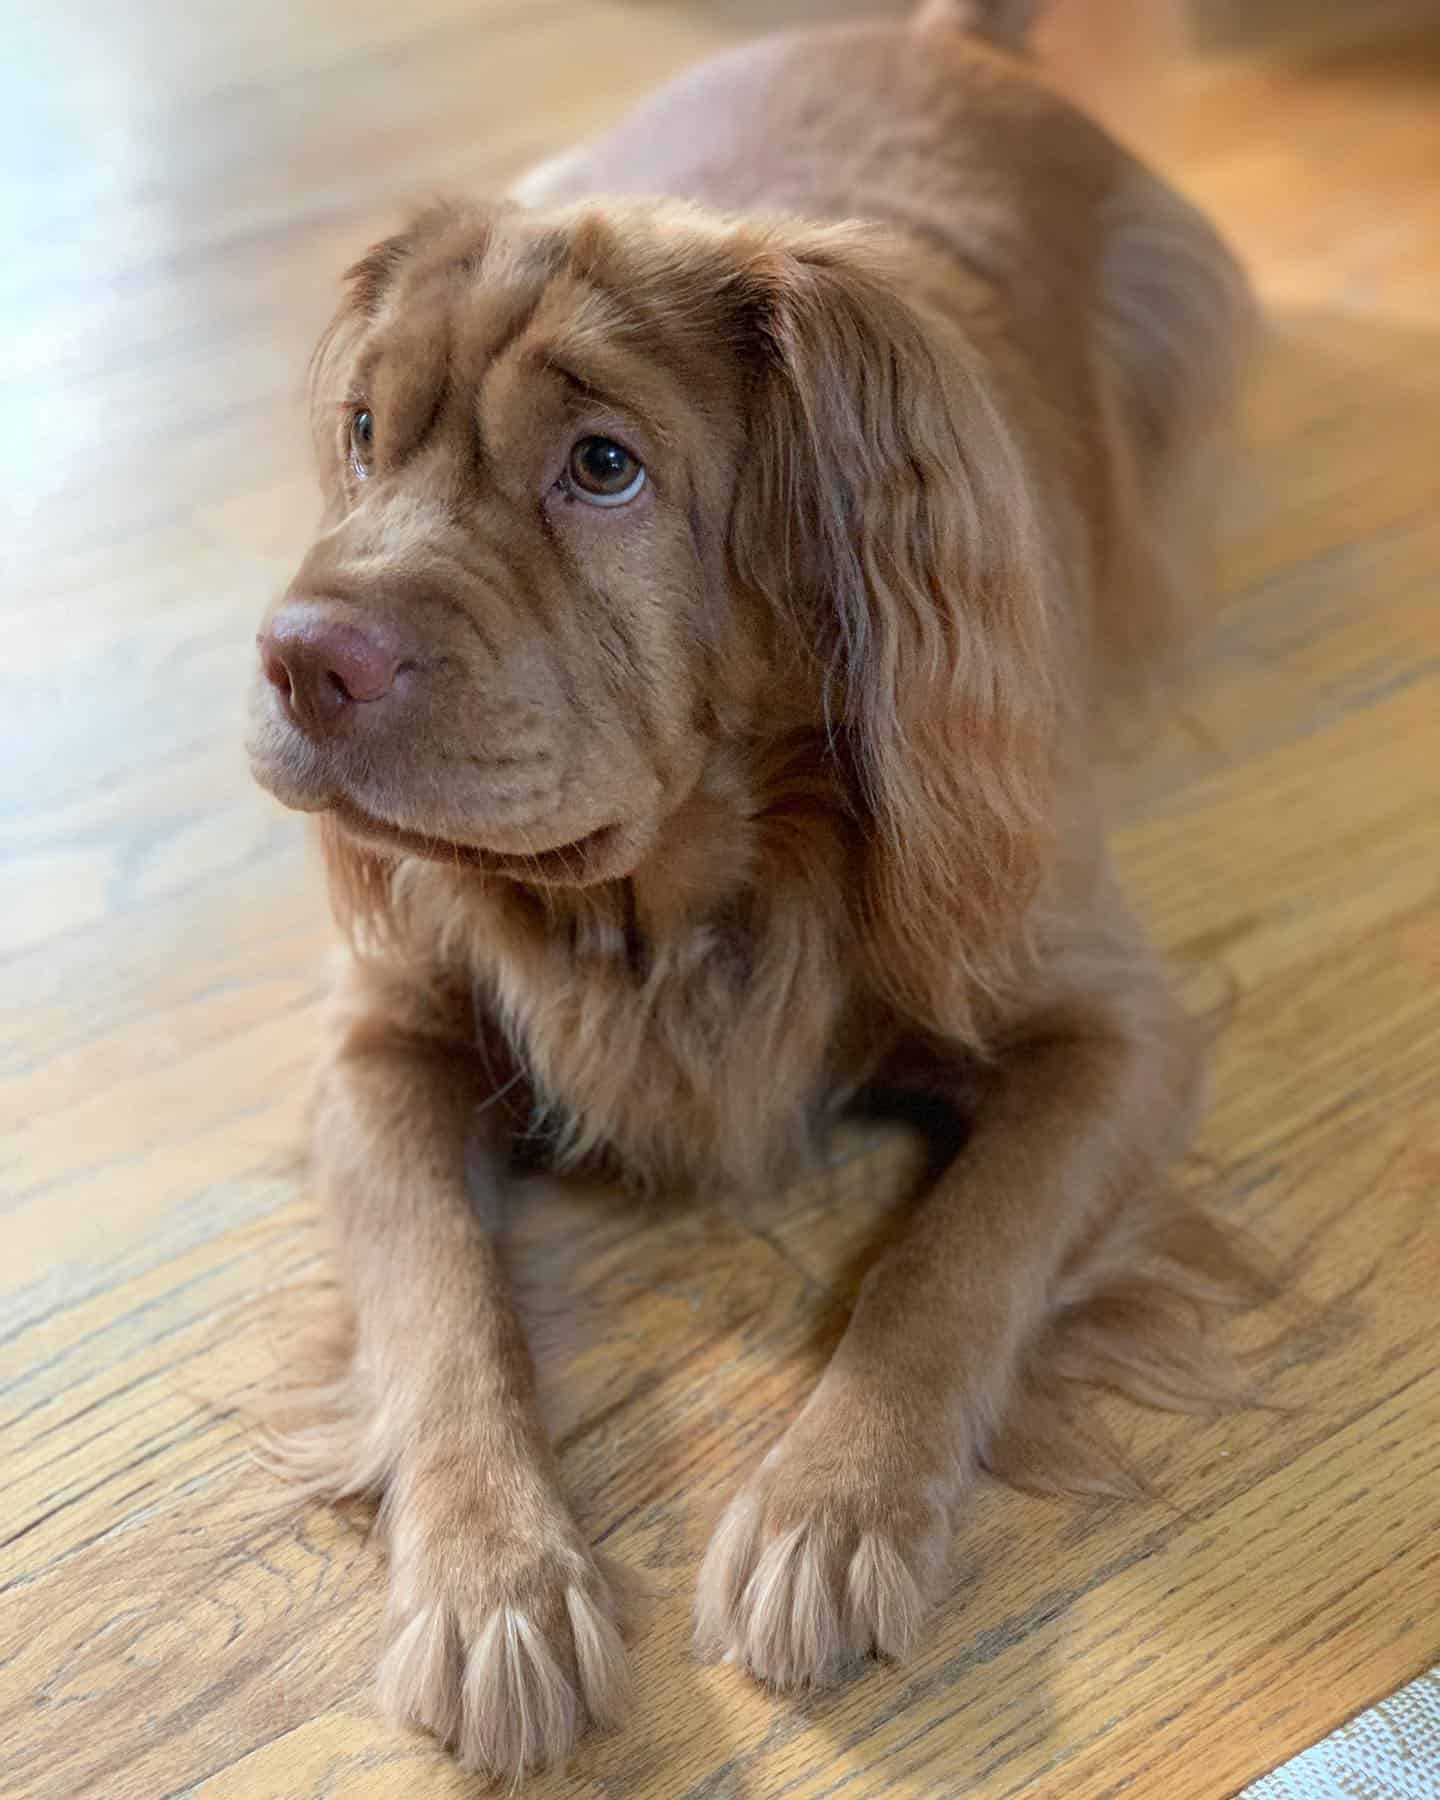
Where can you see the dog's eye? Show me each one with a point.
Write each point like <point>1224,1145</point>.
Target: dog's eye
<point>362,440</point>
<point>604,472</point>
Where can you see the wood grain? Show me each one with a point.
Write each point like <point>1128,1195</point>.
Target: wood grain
<point>190,181</point>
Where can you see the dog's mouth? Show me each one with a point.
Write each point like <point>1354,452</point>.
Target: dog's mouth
<point>597,856</point>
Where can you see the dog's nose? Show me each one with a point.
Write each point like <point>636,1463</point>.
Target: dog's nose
<point>323,668</point>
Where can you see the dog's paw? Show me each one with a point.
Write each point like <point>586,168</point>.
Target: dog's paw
<point>502,1642</point>
<point>832,1550</point>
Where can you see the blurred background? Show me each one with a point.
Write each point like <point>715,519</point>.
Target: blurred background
<point>183,183</point>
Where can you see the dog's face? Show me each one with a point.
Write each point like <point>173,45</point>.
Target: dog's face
<point>516,632</point>
<point>609,490</point>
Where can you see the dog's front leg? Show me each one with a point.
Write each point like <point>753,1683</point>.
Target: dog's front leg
<point>838,1542</point>
<point>501,1629</point>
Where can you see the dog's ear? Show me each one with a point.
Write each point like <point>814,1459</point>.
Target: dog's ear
<point>885,508</point>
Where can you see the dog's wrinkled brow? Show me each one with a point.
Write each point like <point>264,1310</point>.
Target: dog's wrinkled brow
<point>442,339</point>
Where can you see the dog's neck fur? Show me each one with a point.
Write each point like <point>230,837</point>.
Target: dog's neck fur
<point>698,1021</point>
<point>690,1018</point>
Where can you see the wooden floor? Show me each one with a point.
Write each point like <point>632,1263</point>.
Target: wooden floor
<point>191,179</point>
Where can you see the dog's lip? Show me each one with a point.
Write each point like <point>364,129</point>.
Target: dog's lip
<point>577,862</point>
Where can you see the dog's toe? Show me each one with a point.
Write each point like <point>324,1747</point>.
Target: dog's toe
<point>510,1669</point>
<point>810,1569</point>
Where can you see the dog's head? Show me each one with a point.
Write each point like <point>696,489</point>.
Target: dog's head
<point>607,491</point>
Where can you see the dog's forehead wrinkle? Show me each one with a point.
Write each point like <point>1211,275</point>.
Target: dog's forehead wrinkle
<point>403,366</point>
<point>643,270</point>
<point>424,369</point>
<point>579,336</point>
<point>501,319</point>
<point>529,293</point>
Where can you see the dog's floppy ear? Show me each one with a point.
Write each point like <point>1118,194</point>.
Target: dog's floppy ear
<point>885,508</point>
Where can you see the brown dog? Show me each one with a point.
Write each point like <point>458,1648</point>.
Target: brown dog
<point>697,675</point>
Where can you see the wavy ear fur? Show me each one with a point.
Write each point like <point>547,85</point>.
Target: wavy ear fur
<point>885,509</point>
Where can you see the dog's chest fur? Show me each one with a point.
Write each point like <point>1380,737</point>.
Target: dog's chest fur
<point>707,1055</point>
